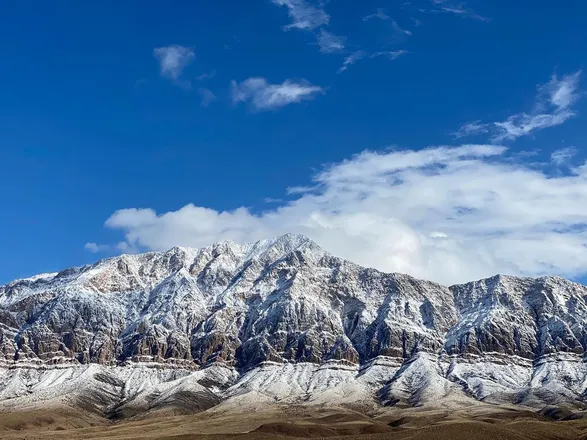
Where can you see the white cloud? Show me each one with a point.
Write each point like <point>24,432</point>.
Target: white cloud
<point>208,97</point>
<point>456,8</point>
<point>352,59</point>
<point>561,93</point>
<point>265,96</point>
<point>173,60</point>
<point>563,156</point>
<point>206,75</point>
<point>471,129</point>
<point>95,247</point>
<point>391,54</point>
<point>380,14</point>
<point>553,107</point>
<point>449,214</point>
<point>330,43</point>
<point>303,15</point>
<point>398,29</point>
<point>524,124</point>
<point>359,55</point>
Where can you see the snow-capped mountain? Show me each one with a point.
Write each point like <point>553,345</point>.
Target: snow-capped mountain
<point>281,320</point>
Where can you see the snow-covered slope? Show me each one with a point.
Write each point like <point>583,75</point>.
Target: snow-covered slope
<point>281,320</point>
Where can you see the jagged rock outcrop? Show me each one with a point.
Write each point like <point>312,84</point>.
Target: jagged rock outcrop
<point>287,301</point>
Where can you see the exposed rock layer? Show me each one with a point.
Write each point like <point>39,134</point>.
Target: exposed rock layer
<point>285,300</point>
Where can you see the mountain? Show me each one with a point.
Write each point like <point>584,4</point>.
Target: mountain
<point>281,321</point>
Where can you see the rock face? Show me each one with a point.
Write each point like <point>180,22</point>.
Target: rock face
<point>283,311</point>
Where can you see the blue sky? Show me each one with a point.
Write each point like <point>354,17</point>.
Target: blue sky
<point>141,125</point>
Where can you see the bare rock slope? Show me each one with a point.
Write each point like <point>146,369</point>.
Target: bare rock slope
<point>281,320</point>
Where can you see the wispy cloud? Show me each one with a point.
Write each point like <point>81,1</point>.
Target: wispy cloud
<point>352,59</point>
<point>380,15</point>
<point>553,107</point>
<point>303,15</point>
<point>561,93</point>
<point>391,54</point>
<point>359,55</point>
<point>524,124</point>
<point>450,214</point>
<point>456,8</point>
<point>206,75</point>
<point>173,60</point>
<point>563,156</point>
<point>265,96</point>
<point>330,43</point>
<point>398,29</point>
<point>306,16</point>
<point>471,129</point>
<point>208,97</point>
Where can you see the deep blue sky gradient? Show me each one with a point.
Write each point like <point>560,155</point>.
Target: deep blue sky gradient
<point>88,126</point>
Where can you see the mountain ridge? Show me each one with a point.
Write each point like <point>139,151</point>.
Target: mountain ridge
<point>283,314</point>
<point>47,275</point>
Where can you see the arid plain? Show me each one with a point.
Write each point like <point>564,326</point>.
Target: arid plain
<point>482,422</point>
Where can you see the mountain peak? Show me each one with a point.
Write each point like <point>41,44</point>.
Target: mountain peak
<point>286,243</point>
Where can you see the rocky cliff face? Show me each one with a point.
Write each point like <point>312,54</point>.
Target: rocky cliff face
<point>286,301</point>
